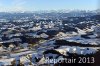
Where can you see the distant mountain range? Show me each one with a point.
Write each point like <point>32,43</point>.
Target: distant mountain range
<point>56,11</point>
<point>52,14</point>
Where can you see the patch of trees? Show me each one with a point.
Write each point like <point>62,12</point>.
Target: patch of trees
<point>85,36</point>
<point>64,42</point>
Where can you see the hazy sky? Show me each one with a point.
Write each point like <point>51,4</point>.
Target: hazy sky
<point>34,5</point>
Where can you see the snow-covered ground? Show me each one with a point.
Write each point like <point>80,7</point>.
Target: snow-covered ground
<point>37,52</point>
<point>76,49</point>
<point>6,62</point>
<point>79,39</point>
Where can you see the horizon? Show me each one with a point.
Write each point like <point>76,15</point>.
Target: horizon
<point>36,5</point>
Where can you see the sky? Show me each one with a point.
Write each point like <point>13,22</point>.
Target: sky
<point>35,5</point>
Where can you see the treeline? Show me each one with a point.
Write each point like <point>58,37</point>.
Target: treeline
<point>64,42</point>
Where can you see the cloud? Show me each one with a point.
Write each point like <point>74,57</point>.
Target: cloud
<point>18,5</point>
<point>14,5</point>
<point>19,2</point>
